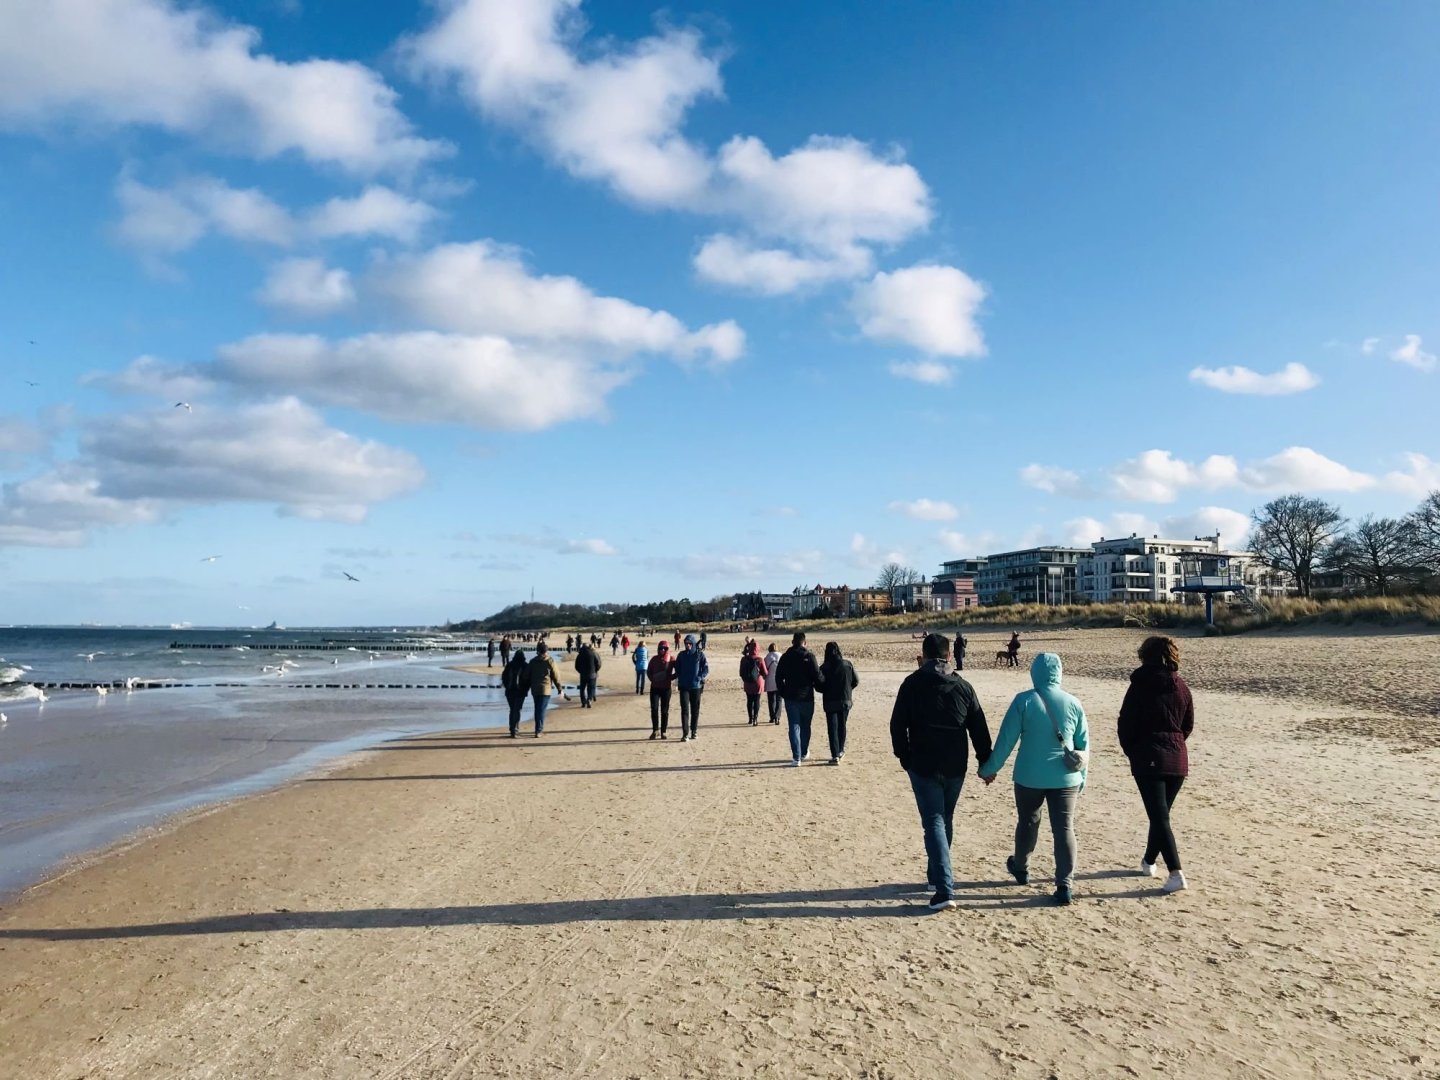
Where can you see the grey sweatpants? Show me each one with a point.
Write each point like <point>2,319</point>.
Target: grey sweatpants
<point>1028,802</point>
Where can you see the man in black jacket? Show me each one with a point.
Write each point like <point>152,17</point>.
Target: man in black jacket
<point>934,712</point>
<point>587,668</point>
<point>516,681</point>
<point>797,677</point>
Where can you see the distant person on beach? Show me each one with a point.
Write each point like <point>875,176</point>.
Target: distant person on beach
<point>1013,648</point>
<point>1156,719</point>
<point>752,677</point>
<point>569,644</point>
<point>661,672</point>
<point>625,645</point>
<point>544,681</point>
<point>961,644</point>
<point>640,658</point>
<point>691,671</point>
<point>840,679</point>
<point>677,640</point>
<point>1046,722</point>
<point>772,688</point>
<point>490,652</point>
<point>798,676</point>
<point>587,668</point>
<point>935,710</point>
<point>515,679</point>
<point>614,644</point>
<point>704,638</point>
<point>505,650</point>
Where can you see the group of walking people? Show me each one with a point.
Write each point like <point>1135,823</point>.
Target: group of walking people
<point>935,723</point>
<point>938,719</point>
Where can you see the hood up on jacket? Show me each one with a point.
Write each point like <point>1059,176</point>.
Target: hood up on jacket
<point>1045,670</point>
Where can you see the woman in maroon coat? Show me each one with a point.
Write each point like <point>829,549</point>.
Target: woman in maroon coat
<point>1156,718</point>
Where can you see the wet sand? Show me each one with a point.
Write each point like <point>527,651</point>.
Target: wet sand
<point>595,904</point>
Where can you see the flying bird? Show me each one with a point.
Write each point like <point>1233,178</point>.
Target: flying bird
<point>184,405</point>
<point>211,558</point>
<point>31,382</point>
<point>349,575</point>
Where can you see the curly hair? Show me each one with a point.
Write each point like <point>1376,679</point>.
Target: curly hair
<point>1161,652</point>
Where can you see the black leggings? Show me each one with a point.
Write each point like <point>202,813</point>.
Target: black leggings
<point>1158,793</point>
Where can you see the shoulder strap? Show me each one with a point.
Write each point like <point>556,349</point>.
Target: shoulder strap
<point>1051,717</point>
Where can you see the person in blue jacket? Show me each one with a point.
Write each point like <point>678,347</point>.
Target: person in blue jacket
<point>1044,722</point>
<point>642,658</point>
<point>691,671</point>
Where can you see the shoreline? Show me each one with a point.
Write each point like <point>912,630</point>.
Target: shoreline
<point>458,904</point>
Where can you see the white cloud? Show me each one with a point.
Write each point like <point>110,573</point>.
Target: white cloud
<point>152,377</point>
<point>277,451</point>
<point>733,566</point>
<point>1083,530</point>
<point>587,547</point>
<point>167,221</point>
<point>1053,479</point>
<point>932,308</point>
<point>925,509</point>
<point>170,220</point>
<point>1233,526</point>
<point>485,288</point>
<point>307,287</point>
<point>105,63</point>
<point>865,554</point>
<point>613,117</point>
<point>1159,476</point>
<point>616,113</point>
<point>958,543</point>
<point>1421,476</point>
<point>58,508</point>
<point>730,260</point>
<point>1301,468</point>
<point>19,438</point>
<point>1413,355</point>
<point>427,377</point>
<point>1369,345</point>
<point>929,372</point>
<point>1291,379</point>
<point>376,211</point>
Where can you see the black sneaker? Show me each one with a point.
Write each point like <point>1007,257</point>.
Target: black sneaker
<point>514,734</point>
<point>942,901</point>
<point>1022,877</point>
<point>654,734</point>
<point>1062,895</point>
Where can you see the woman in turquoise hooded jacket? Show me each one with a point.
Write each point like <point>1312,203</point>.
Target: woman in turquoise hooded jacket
<point>1041,775</point>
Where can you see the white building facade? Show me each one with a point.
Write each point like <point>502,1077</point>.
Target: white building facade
<point>1141,569</point>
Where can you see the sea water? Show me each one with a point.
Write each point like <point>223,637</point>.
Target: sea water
<point>80,770</point>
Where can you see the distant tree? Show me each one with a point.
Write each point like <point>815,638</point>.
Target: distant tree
<point>1425,521</point>
<point>1292,533</point>
<point>1378,551</point>
<point>893,574</point>
<point>1003,598</point>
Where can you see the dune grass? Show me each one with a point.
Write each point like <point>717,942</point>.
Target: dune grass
<point>1265,614</point>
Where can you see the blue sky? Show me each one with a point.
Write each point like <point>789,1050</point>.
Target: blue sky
<point>617,302</point>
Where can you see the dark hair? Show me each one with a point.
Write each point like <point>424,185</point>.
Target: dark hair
<point>832,653</point>
<point>797,638</point>
<point>1160,652</point>
<point>771,647</point>
<point>935,647</point>
<point>542,647</point>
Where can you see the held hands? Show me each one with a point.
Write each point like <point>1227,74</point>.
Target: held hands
<point>988,780</point>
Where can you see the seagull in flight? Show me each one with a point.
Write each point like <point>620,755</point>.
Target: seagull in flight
<point>184,405</point>
<point>349,575</point>
<point>211,558</point>
<point>31,382</point>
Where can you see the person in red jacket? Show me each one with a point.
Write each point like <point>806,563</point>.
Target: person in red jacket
<point>1156,718</point>
<point>662,674</point>
<point>752,675</point>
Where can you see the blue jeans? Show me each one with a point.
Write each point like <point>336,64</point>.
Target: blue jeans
<point>935,798</point>
<point>799,713</point>
<point>587,689</point>
<point>639,680</point>
<point>542,702</point>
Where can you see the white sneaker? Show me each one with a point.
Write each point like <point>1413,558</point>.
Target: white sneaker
<point>1148,869</point>
<point>795,762</point>
<point>1175,882</point>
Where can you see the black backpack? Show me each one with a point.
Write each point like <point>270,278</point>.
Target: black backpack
<point>747,668</point>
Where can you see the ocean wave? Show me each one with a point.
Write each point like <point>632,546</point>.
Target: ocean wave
<point>18,691</point>
<point>11,674</point>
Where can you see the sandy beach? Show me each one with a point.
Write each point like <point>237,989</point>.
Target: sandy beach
<point>596,904</point>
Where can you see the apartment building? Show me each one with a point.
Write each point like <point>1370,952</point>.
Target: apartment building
<point>1038,575</point>
<point>1134,569</point>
